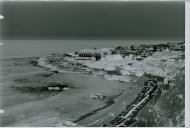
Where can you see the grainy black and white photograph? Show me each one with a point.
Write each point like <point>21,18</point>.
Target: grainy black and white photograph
<point>92,63</point>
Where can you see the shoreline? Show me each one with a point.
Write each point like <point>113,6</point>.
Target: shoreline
<point>113,76</point>
<point>27,78</point>
<point>89,66</point>
<point>99,61</point>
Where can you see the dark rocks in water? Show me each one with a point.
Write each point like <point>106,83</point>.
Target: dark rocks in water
<point>55,71</point>
<point>47,75</point>
<point>51,61</point>
<point>34,62</point>
<point>22,80</point>
<point>49,88</point>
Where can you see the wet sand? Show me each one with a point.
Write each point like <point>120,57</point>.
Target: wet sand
<point>53,109</point>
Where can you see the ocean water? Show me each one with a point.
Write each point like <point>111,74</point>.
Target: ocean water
<point>33,48</point>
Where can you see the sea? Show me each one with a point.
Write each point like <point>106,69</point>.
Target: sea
<point>36,48</point>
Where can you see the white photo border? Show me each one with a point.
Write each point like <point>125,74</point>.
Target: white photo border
<point>187,46</point>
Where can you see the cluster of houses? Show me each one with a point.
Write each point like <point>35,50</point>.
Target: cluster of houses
<point>124,51</point>
<point>140,52</point>
<point>144,51</point>
<point>176,46</point>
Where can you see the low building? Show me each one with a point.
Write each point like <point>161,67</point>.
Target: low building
<point>97,56</point>
<point>88,55</point>
<point>85,54</point>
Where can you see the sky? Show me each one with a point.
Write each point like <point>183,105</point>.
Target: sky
<point>92,20</point>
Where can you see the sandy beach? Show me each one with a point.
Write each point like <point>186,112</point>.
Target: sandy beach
<point>53,109</point>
